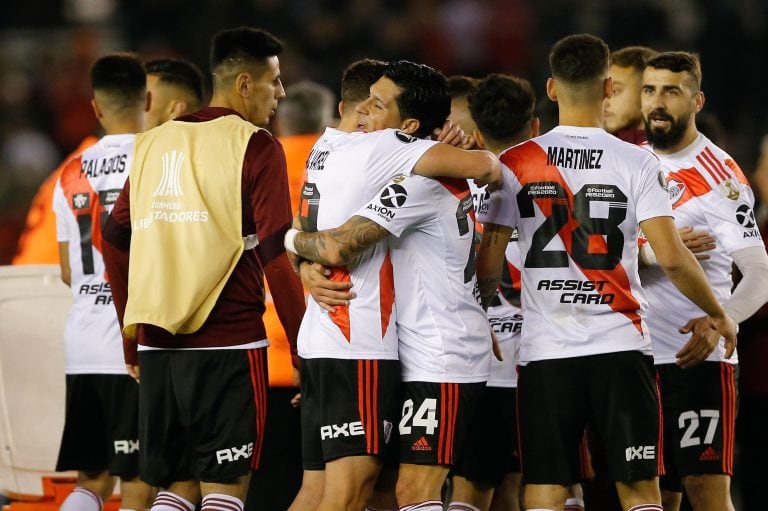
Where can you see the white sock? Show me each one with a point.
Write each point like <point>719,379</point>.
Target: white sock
<point>574,504</point>
<point>540,509</point>
<point>430,505</point>
<point>168,501</point>
<point>646,507</point>
<point>221,502</point>
<point>81,499</point>
<point>462,506</point>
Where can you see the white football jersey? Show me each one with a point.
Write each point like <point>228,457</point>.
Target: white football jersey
<point>443,332</point>
<point>506,319</point>
<point>708,192</point>
<point>83,197</point>
<point>577,195</point>
<point>344,170</point>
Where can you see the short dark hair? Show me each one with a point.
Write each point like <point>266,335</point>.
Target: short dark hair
<point>424,94</point>
<point>307,107</point>
<point>357,78</point>
<point>678,62</point>
<point>122,77</point>
<point>178,72</point>
<point>243,45</point>
<point>632,56</point>
<point>502,106</point>
<point>579,59</point>
<point>461,86</point>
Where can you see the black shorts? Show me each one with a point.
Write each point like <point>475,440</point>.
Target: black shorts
<point>201,414</point>
<point>101,427</point>
<point>490,450</point>
<point>699,409</point>
<point>434,420</point>
<point>615,394</point>
<point>348,408</point>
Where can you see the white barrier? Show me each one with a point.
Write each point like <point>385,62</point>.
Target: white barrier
<point>33,307</point>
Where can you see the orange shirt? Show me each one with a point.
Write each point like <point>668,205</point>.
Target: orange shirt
<point>37,243</point>
<point>297,148</point>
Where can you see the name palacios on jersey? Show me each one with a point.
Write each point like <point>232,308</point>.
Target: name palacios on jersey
<point>579,159</point>
<point>170,206</point>
<point>96,167</point>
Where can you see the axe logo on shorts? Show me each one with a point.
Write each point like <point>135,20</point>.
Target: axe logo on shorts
<point>641,452</point>
<point>340,430</point>
<point>126,446</point>
<point>234,453</point>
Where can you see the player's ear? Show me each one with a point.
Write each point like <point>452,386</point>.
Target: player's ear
<point>551,89</point>
<point>96,108</point>
<point>479,140</point>
<point>148,104</point>
<point>341,108</point>
<point>700,99</point>
<point>608,87</point>
<point>410,125</point>
<point>535,127</point>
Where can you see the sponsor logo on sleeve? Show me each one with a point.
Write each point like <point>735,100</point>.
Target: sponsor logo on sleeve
<point>393,196</point>
<point>405,137</point>
<point>81,201</point>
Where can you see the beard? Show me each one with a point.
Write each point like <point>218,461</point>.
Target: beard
<point>661,138</point>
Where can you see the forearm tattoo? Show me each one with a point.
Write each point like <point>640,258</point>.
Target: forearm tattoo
<point>342,244</point>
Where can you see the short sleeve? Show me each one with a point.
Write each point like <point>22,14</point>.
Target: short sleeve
<point>404,202</point>
<point>62,211</point>
<point>652,199</point>
<point>396,153</point>
<point>732,221</point>
<point>501,205</point>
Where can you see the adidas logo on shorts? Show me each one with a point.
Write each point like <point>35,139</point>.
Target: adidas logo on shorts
<point>709,454</point>
<point>421,445</point>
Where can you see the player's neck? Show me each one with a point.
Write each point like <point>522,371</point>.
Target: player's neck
<point>127,125</point>
<point>586,116</point>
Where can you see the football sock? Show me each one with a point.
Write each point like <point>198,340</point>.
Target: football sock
<point>646,507</point>
<point>462,506</point>
<point>221,502</point>
<point>167,501</point>
<point>81,499</point>
<point>430,505</point>
<point>574,504</point>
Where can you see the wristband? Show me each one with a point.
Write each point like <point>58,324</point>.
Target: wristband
<point>289,240</point>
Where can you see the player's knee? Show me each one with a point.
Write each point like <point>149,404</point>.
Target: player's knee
<point>706,491</point>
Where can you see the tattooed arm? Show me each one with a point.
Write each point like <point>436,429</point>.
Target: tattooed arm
<point>339,246</point>
<point>490,260</point>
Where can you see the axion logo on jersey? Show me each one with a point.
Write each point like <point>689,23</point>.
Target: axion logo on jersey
<point>81,201</point>
<point>393,196</point>
<point>170,182</point>
<point>676,189</point>
<point>405,137</point>
<point>345,429</point>
<point>234,453</point>
<point>126,446</point>
<point>745,216</point>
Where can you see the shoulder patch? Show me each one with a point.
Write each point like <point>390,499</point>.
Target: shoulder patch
<point>729,189</point>
<point>662,180</point>
<point>405,137</point>
<point>393,196</point>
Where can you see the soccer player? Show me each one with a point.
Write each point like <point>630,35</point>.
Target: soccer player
<point>100,438</point>
<point>622,116</point>
<point>176,87</point>
<point>697,376</point>
<point>499,114</point>
<point>194,231</point>
<point>576,196</point>
<point>444,357</point>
